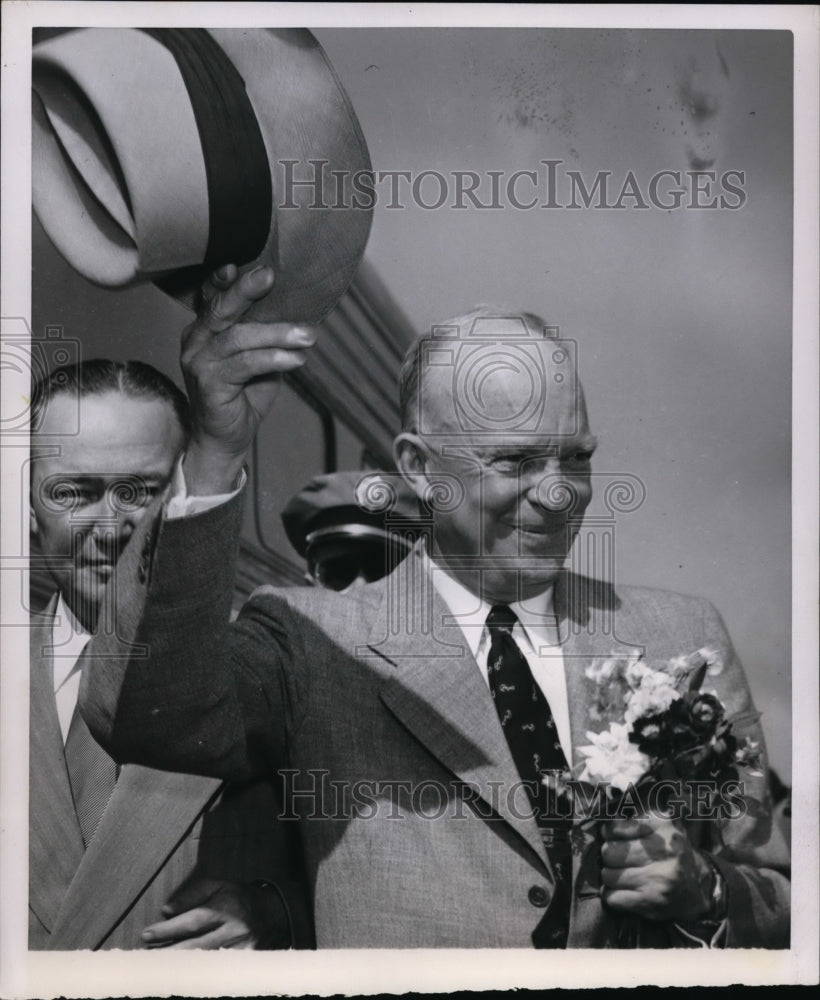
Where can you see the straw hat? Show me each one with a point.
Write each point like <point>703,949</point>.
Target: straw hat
<point>161,154</point>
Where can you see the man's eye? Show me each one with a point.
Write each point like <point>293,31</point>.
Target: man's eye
<point>580,457</point>
<point>508,463</point>
<point>515,460</point>
<point>63,494</point>
<point>130,493</point>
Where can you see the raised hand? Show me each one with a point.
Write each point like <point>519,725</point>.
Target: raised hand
<point>232,370</point>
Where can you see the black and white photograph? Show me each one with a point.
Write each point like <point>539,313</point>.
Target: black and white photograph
<point>410,458</point>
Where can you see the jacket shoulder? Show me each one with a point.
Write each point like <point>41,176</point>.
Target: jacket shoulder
<point>602,594</point>
<point>327,608</point>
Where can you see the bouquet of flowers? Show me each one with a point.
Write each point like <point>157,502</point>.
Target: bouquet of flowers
<point>671,734</point>
<point>670,728</point>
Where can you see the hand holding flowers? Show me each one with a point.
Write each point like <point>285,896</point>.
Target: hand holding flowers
<point>650,869</point>
<point>671,733</point>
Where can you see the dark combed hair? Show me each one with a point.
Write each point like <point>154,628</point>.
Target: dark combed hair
<point>99,376</point>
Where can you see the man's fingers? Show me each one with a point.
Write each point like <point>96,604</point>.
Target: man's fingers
<point>627,829</point>
<point>224,937</point>
<point>191,895</point>
<point>202,347</point>
<point>634,879</point>
<point>256,336</point>
<point>184,925</point>
<point>624,854</point>
<point>230,305</point>
<point>624,900</point>
<point>241,368</point>
<point>201,927</point>
<point>216,282</point>
<point>232,301</point>
<point>224,276</point>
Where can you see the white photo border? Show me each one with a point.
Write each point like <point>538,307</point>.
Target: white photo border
<point>27,974</point>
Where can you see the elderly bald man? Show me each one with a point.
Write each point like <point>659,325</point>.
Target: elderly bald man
<point>414,718</point>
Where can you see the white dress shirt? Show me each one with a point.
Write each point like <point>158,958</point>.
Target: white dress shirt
<point>535,633</point>
<point>68,640</point>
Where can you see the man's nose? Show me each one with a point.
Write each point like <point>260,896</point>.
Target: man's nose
<point>558,491</point>
<point>113,520</point>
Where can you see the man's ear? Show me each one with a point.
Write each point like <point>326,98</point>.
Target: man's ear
<point>411,461</point>
<point>34,527</point>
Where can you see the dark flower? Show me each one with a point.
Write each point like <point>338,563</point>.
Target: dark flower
<point>705,713</point>
<point>653,734</point>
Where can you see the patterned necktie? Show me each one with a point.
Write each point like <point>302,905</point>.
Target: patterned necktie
<point>92,774</point>
<point>530,730</point>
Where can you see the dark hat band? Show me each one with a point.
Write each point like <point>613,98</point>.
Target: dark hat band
<point>240,191</point>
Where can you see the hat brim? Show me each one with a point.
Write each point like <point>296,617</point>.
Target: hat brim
<point>315,244</point>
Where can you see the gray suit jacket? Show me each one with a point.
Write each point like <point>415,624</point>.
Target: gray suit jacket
<point>398,766</point>
<point>158,830</point>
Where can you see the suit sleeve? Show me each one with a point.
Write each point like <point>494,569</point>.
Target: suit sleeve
<point>244,839</point>
<point>171,684</point>
<point>745,842</point>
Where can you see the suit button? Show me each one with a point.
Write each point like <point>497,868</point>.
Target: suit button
<point>538,896</point>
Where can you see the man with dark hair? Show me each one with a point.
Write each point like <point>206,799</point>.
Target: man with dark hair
<point>131,857</point>
<point>421,718</point>
<point>89,489</point>
<point>94,377</point>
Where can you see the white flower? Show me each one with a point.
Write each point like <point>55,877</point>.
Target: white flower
<point>713,660</point>
<point>612,759</point>
<point>636,670</point>
<point>656,694</point>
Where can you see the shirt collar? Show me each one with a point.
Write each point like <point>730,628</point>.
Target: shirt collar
<point>68,639</point>
<point>470,610</point>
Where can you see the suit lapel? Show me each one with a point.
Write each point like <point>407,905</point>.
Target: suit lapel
<point>55,840</point>
<point>586,612</point>
<point>149,813</point>
<point>439,694</point>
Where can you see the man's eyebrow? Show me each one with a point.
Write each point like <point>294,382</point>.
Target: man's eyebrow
<point>587,442</point>
<point>73,477</point>
<point>104,477</point>
<point>505,450</point>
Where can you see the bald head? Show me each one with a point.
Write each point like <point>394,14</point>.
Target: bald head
<point>494,418</point>
<point>489,371</point>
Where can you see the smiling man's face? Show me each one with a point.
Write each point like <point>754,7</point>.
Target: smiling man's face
<point>87,499</point>
<point>524,494</point>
